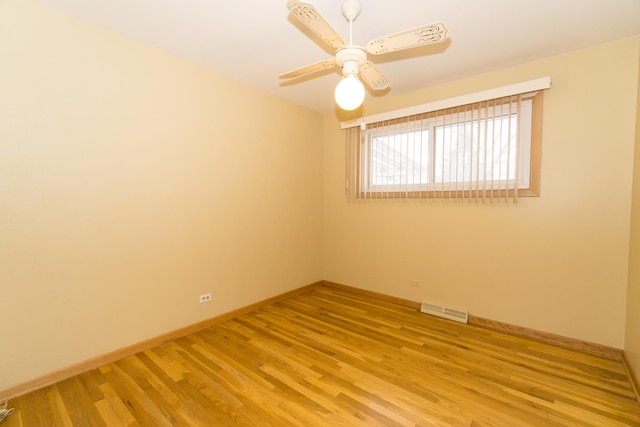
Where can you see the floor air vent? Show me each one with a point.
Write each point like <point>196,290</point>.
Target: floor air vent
<point>446,312</point>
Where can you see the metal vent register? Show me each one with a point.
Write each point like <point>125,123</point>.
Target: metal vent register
<point>439,310</point>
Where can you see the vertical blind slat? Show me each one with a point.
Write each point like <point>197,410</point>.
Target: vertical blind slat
<point>516,171</point>
<point>510,150</point>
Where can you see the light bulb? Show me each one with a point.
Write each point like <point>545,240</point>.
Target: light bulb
<point>349,92</point>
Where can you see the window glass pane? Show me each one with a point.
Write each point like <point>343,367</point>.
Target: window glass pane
<point>463,148</point>
<point>400,159</point>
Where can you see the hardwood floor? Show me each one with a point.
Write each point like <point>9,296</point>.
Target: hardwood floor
<point>331,357</point>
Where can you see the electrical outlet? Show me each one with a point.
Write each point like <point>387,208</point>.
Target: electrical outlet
<point>205,298</point>
<point>415,284</point>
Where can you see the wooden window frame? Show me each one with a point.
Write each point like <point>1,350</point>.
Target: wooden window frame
<point>355,176</point>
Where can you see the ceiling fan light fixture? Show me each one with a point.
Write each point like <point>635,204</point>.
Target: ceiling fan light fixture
<point>349,92</point>
<point>352,58</point>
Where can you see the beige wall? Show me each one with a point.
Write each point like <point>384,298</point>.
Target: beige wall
<point>131,182</point>
<point>632,341</point>
<point>557,263</point>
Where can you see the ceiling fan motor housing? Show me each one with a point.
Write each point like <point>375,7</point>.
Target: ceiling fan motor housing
<point>350,58</point>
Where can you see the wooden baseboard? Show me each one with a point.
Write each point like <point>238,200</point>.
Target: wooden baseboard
<point>396,300</point>
<point>597,349</point>
<point>561,341</point>
<point>632,377</point>
<point>50,378</point>
<point>95,362</point>
<point>571,343</point>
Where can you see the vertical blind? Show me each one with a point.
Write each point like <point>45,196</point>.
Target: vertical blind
<point>479,151</point>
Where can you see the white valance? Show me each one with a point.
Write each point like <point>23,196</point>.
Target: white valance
<point>499,92</point>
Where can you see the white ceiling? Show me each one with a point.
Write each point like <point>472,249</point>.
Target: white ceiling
<point>257,40</point>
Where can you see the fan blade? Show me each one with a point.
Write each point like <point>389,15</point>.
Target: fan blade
<point>433,33</point>
<point>309,16</point>
<point>313,68</point>
<point>374,78</point>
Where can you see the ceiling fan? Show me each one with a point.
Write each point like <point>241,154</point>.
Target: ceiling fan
<point>353,58</point>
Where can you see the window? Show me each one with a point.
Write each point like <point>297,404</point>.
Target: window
<point>484,150</point>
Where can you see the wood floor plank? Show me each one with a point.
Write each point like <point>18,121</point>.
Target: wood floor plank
<point>133,395</point>
<point>108,414</point>
<point>58,408</point>
<point>242,381</point>
<point>33,409</point>
<point>333,357</point>
<point>77,407</point>
<point>116,405</point>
